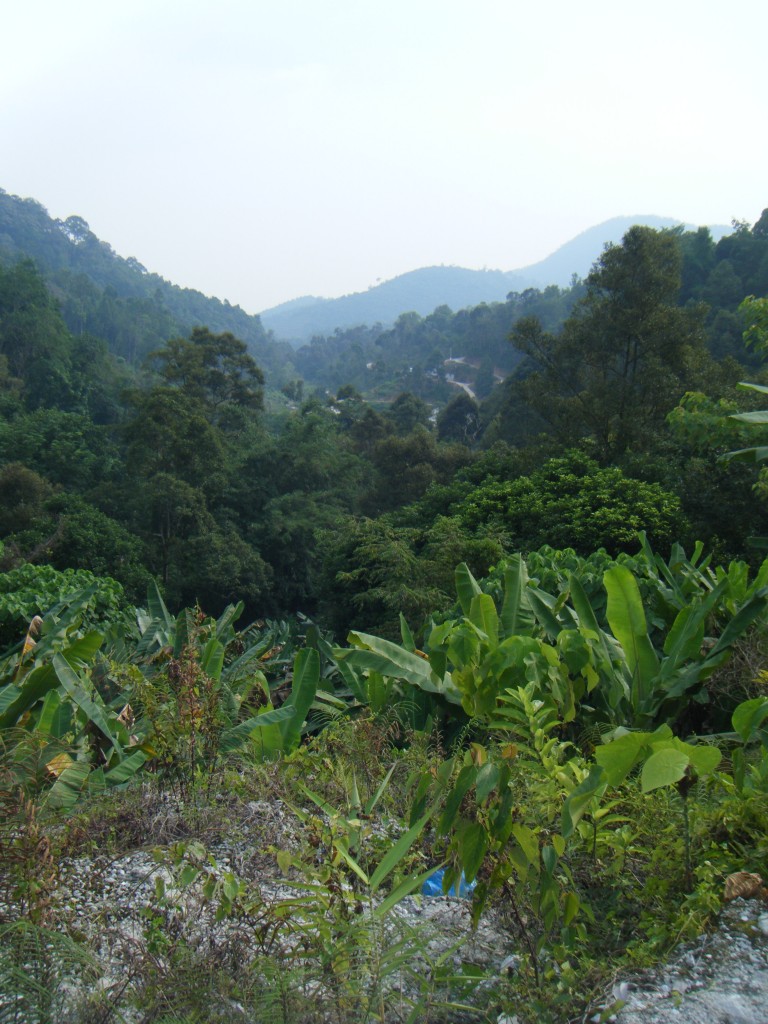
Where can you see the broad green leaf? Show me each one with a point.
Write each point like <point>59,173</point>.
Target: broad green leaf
<point>234,738</point>
<point>626,618</point>
<point>686,635</point>
<point>212,659</point>
<point>239,665</point>
<point>704,759</point>
<point>579,800</point>
<point>42,679</point>
<point>487,779</point>
<point>97,782</point>
<point>582,605</point>
<point>66,790</point>
<point>406,635</point>
<point>483,615</point>
<point>390,659</point>
<point>225,621</point>
<point>571,908</point>
<point>619,757</point>
<point>188,874</point>
<point>126,769</point>
<point>48,714</point>
<point>749,716</point>
<point>756,454</point>
<point>549,859</point>
<point>382,691</point>
<point>759,416</point>
<point>353,676</point>
<point>663,768</point>
<point>516,613</point>
<point>744,617</point>
<point>156,606</point>
<point>542,605</point>
<point>306,677</point>
<point>464,783</point>
<point>528,843</point>
<point>94,710</point>
<point>9,694</point>
<point>467,587</point>
<point>472,843</point>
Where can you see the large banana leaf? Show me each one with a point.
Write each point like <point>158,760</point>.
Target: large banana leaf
<point>306,677</point>
<point>354,677</point>
<point>467,587</point>
<point>517,618</point>
<point>371,653</point>
<point>69,786</point>
<point>15,700</point>
<point>225,623</point>
<point>626,618</point>
<point>483,615</point>
<point>212,659</point>
<point>234,738</point>
<point>89,703</point>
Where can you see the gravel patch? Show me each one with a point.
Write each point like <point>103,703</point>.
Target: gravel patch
<point>720,978</point>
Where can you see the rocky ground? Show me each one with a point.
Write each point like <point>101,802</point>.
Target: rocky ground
<point>131,908</point>
<point>721,978</point>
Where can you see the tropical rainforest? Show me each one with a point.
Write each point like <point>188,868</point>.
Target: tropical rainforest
<point>510,558</point>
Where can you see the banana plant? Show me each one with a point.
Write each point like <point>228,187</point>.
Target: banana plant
<point>48,698</point>
<point>272,730</point>
<point>371,658</point>
<point>661,683</point>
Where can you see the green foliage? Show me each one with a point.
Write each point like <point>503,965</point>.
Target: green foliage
<point>336,933</point>
<point>571,502</point>
<point>33,338</point>
<point>41,590</point>
<point>214,370</point>
<point>66,448</point>
<point>625,355</point>
<point>50,692</point>
<point>408,412</point>
<point>599,660</point>
<point>596,758</point>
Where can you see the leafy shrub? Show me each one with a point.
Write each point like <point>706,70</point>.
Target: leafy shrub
<point>572,502</point>
<point>37,589</point>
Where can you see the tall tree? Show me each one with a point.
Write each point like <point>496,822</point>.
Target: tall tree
<point>214,369</point>
<point>408,412</point>
<point>625,355</point>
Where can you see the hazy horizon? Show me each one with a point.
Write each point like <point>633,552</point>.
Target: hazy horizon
<point>263,153</point>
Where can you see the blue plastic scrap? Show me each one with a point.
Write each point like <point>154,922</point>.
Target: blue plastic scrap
<point>433,886</point>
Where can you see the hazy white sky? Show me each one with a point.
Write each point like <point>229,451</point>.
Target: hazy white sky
<point>259,150</point>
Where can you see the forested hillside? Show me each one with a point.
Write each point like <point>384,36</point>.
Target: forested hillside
<point>500,575</point>
<point>117,299</point>
<point>160,460</point>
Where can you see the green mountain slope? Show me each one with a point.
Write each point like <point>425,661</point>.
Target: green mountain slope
<point>115,298</point>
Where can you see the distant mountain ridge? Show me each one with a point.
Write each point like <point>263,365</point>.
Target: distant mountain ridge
<point>74,261</point>
<point>417,291</point>
<point>422,291</point>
